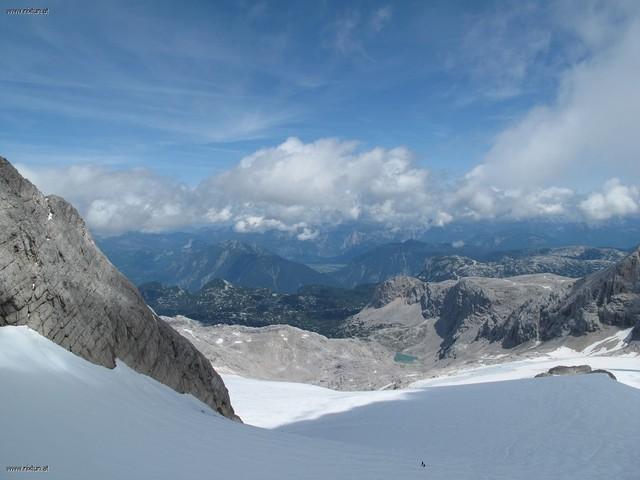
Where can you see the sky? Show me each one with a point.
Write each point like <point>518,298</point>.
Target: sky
<point>296,116</point>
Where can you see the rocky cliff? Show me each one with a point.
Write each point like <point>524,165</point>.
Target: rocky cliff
<point>575,262</point>
<point>447,319</point>
<point>54,279</point>
<point>608,297</point>
<point>451,319</point>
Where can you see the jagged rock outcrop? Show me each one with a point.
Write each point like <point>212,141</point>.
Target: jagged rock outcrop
<point>574,370</point>
<point>575,262</point>
<point>458,313</point>
<point>409,289</point>
<point>55,280</point>
<point>608,297</point>
<point>505,311</point>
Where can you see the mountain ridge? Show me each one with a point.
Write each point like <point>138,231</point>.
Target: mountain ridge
<point>444,319</point>
<point>196,262</point>
<point>54,279</point>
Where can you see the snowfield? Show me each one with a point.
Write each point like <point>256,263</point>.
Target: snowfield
<point>86,421</point>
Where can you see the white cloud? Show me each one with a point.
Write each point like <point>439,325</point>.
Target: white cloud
<point>326,181</point>
<point>541,165</point>
<point>615,200</point>
<point>293,187</point>
<point>255,223</point>
<point>592,123</point>
<point>477,200</point>
<point>300,188</point>
<point>113,201</point>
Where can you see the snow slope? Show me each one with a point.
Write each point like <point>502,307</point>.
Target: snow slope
<point>281,403</point>
<point>270,404</point>
<point>475,425</point>
<point>84,421</point>
<point>575,427</point>
<point>578,427</point>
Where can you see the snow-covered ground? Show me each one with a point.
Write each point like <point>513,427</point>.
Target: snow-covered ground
<point>269,404</point>
<point>573,427</point>
<point>85,421</point>
<point>281,403</point>
<point>604,354</point>
<point>476,424</point>
<point>576,427</point>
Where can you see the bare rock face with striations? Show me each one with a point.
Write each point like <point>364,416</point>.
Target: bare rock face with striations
<point>478,315</point>
<point>608,297</point>
<point>574,262</point>
<point>54,279</point>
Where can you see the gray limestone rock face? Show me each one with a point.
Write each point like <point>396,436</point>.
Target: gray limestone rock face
<point>608,297</point>
<point>575,262</point>
<point>573,370</point>
<point>504,311</point>
<point>286,353</point>
<point>54,280</point>
<point>510,312</point>
<point>569,370</point>
<point>410,289</point>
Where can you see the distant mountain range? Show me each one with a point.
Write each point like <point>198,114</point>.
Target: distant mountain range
<point>410,327</point>
<point>386,261</point>
<point>340,244</point>
<point>191,263</point>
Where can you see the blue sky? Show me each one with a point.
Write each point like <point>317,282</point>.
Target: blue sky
<point>186,90</point>
<point>141,84</point>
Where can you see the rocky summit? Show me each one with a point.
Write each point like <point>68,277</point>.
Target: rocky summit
<point>574,261</point>
<point>608,297</point>
<point>461,319</point>
<point>54,280</point>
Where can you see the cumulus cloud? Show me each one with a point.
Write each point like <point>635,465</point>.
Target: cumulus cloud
<point>293,187</point>
<point>475,199</point>
<point>615,200</point>
<point>114,201</point>
<point>326,181</point>
<point>300,188</point>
